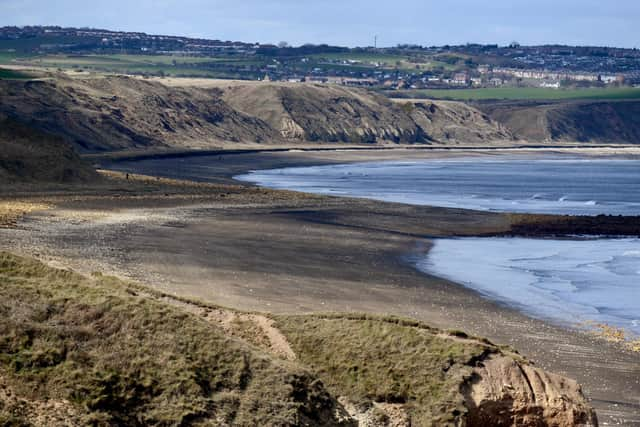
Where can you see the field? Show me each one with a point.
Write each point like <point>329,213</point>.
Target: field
<point>364,57</point>
<point>403,62</point>
<point>521,94</point>
<point>139,64</point>
<point>13,75</point>
<point>221,66</point>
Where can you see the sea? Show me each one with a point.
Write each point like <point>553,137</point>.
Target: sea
<point>579,281</point>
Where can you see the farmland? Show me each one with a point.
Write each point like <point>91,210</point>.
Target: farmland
<point>525,93</point>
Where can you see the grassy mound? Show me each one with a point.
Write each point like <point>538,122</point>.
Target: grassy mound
<point>373,359</point>
<point>122,359</point>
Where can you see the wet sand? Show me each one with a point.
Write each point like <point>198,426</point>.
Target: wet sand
<point>286,252</point>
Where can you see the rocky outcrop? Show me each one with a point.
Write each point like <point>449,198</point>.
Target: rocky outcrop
<point>504,392</point>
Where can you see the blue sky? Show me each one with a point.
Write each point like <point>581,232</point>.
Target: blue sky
<point>350,22</point>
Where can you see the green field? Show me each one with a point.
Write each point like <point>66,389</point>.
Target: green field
<point>364,57</point>
<point>123,61</point>
<point>13,75</point>
<point>520,94</point>
<point>177,66</point>
<point>367,59</point>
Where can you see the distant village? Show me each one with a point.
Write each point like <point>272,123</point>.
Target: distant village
<point>466,66</point>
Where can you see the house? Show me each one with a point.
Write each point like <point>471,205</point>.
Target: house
<point>461,79</point>
<point>608,79</point>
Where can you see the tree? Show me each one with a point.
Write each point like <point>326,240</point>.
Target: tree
<point>283,45</point>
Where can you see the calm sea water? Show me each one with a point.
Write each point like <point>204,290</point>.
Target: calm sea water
<point>570,281</point>
<point>580,187</point>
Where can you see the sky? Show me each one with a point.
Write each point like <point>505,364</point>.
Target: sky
<point>349,22</point>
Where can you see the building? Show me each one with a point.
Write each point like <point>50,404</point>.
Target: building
<point>460,79</point>
<point>608,79</point>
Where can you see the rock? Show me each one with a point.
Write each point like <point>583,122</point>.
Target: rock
<point>505,392</point>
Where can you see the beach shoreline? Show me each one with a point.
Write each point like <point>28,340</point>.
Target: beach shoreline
<point>285,252</point>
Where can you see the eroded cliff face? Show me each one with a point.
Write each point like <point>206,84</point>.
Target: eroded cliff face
<point>325,113</point>
<point>455,122</point>
<point>117,113</point>
<point>121,113</point>
<point>503,392</point>
<point>28,156</point>
<point>568,121</point>
<point>339,114</point>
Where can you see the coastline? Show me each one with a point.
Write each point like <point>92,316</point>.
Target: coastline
<point>289,253</point>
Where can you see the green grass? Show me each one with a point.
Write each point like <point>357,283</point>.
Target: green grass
<point>370,358</point>
<point>523,94</point>
<point>364,57</point>
<point>176,66</point>
<point>26,45</point>
<point>13,75</point>
<point>124,359</point>
<point>386,61</point>
<point>10,57</point>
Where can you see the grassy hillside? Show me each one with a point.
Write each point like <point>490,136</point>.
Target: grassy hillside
<point>110,357</point>
<point>425,370</point>
<point>98,351</point>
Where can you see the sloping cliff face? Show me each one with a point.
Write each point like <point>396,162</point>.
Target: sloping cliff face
<point>326,113</point>
<point>117,113</point>
<point>505,392</point>
<point>338,114</point>
<point>456,122</point>
<point>31,156</point>
<point>120,113</point>
<point>569,121</point>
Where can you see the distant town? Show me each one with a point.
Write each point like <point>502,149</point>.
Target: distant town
<point>399,67</point>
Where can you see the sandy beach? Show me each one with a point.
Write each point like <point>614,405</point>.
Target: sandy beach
<point>285,252</point>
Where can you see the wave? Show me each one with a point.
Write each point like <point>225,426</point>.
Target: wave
<point>569,281</point>
<point>508,185</point>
